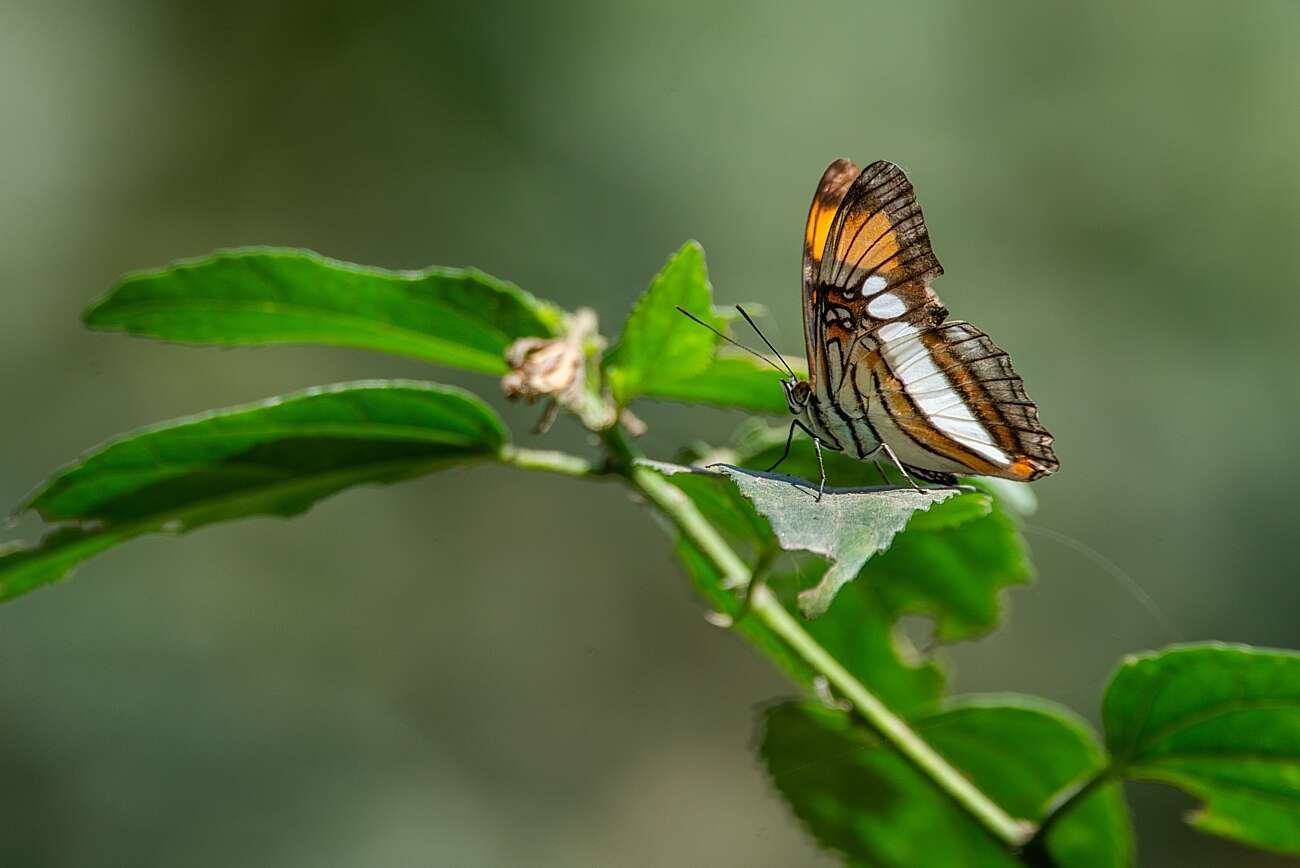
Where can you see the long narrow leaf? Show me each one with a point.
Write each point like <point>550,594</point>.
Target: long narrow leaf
<point>449,316</point>
<point>276,457</point>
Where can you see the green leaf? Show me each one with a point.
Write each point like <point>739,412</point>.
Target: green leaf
<point>659,346</point>
<point>276,457</point>
<point>663,355</point>
<point>731,380</point>
<point>449,316</point>
<point>847,527</point>
<point>953,574</point>
<point>868,804</point>
<point>1017,498</point>
<point>857,630</point>
<point>749,536</point>
<point>708,583</point>
<point>950,563</point>
<point>25,567</point>
<point>1221,722</point>
<point>728,511</point>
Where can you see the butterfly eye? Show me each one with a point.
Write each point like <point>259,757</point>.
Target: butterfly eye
<point>800,392</point>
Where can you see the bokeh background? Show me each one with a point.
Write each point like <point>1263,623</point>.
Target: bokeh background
<point>492,668</point>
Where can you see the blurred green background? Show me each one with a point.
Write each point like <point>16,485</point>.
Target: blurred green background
<point>493,668</point>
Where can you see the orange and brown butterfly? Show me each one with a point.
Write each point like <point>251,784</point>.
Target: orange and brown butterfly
<point>887,371</point>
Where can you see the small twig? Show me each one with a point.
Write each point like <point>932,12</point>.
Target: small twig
<point>892,729</point>
<point>1034,853</point>
<point>549,461</point>
<point>1018,836</point>
<point>756,578</point>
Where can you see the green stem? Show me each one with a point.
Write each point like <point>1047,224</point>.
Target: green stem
<point>549,461</point>
<point>1034,852</point>
<point>674,504</point>
<point>890,727</point>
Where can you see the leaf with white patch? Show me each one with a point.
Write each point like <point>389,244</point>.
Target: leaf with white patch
<point>847,526</point>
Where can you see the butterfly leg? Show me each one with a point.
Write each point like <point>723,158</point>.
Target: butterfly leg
<point>880,468</point>
<point>821,486</point>
<point>789,438</point>
<point>894,458</point>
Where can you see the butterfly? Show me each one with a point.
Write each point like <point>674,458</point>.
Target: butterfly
<point>888,373</point>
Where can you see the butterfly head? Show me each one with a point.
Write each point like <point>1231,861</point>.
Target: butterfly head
<point>797,394</point>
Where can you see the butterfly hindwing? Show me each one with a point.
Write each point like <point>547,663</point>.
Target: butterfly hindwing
<point>958,402</point>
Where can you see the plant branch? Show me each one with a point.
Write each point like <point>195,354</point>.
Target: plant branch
<point>549,461</point>
<point>678,508</point>
<point>1034,853</point>
<point>891,728</point>
<point>673,503</point>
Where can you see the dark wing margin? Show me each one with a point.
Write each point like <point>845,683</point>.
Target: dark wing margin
<point>873,324</point>
<point>835,182</point>
<point>879,229</point>
<point>876,264</point>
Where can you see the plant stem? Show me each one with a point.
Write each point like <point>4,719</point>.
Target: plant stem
<point>1034,852</point>
<point>549,461</point>
<point>1027,841</point>
<point>675,505</point>
<point>889,726</point>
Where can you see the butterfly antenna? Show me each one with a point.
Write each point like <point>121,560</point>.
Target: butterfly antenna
<point>763,337</point>
<point>755,353</point>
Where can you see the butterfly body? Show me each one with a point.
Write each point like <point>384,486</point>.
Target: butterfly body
<point>888,372</point>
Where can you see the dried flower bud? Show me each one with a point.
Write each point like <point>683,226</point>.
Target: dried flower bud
<point>550,368</point>
<point>542,369</point>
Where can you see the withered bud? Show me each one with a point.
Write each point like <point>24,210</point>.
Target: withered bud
<point>550,367</point>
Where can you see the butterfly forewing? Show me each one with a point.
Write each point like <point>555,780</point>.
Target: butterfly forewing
<point>878,231</point>
<point>883,363</point>
<point>834,184</point>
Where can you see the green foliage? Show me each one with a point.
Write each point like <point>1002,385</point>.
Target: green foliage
<point>949,563</point>
<point>860,630</point>
<point>906,778</point>
<point>664,355</point>
<point>275,457</point>
<point>449,316</point>
<point>1221,722</point>
<point>709,583</point>
<point>847,527</point>
<point>733,379</point>
<point>660,347</point>
<point>25,568</point>
<point>954,573</point>
<point>953,561</point>
<point>868,804</point>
